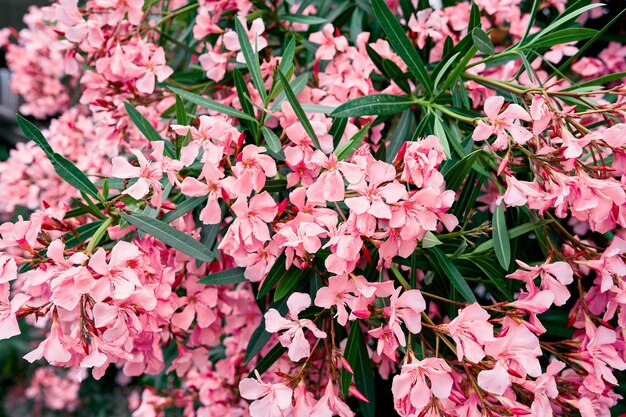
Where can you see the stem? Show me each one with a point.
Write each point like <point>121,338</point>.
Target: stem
<point>97,236</point>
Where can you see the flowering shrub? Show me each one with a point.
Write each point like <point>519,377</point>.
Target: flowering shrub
<point>319,208</point>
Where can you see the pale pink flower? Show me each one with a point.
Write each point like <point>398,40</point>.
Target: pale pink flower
<point>471,330</point>
<point>52,348</point>
<point>405,309</point>
<point>258,42</point>
<point>427,24</point>
<point>541,115</point>
<point>329,186</point>
<point>337,294</point>
<point>148,176</point>
<point>8,268</point>
<point>119,278</point>
<point>252,167</point>
<point>554,278</point>
<point>421,161</point>
<point>557,52</point>
<point>155,70</point>
<point>411,392</point>
<point>330,404</point>
<point>210,187</point>
<point>269,400</point>
<point>293,337</point>
<point>502,124</point>
<point>544,389</point>
<point>8,309</point>
<point>329,44</point>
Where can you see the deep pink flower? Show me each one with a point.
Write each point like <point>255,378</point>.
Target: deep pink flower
<point>502,124</point>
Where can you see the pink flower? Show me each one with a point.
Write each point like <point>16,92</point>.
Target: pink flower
<point>610,264</point>
<point>251,169</point>
<point>411,392</point>
<point>502,124</point>
<point>199,303</point>
<point>71,280</point>
<point>330,404</point>
<point>270,400</point>
<point>329,44</point>
<point>210,187</point>
<point>471,330</point>
<point>421,161</point>
<point>541,115</point>
<point>329,186</point>
<point>258,42</point>
<point>155,69</point>
<point>554,278</point>
<point>8,319</point>
<point>52,348</point>
<point>148,176</point>
<point>119,278</point>
<point>427,23</point>
<point>518,349</point>
<point>602,354</point>
<point>544,389</point>
<point>293,337</point>
<point>8,268</point>
<point>406,308</point>
<point>338,294</point>
<point>557,52</point>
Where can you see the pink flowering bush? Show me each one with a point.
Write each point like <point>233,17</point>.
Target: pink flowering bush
<point>317,208</point>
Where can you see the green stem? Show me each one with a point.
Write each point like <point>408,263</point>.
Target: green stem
<point>97,236</point>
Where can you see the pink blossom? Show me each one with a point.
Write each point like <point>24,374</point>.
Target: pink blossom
<point>330,404</point>
<point>155,70</point>
<point>270,400</point>
<point>293,338</point>
<point>338,293</point>
<point>148,176</point>
<point>554,278</point>
<point>329,44</point>
<point>502,124</point>
<point>118,277</point>
<point>8,309</point>
<point>252,167</point>
<point>406,309</point>
<point>421,161</point>
<point>471,330</point>
<point>411,392</point>
<point>258,42</point>
<point>210,187</point>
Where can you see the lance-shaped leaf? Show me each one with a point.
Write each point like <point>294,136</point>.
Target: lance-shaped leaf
<point>288,282</point>
<point>444,267</point>
<point>225,277</point>
<point>401,44</point>
<point>183,208</point>
<point>170,236</point>
<point>252,59</point>
<point>66,169</point>
<point>347,148</point>
<point>458,173</point>
<point>211,105</point>
<point>277,271</point>
<point>501,243</point>
<point>297,109</point>
<point>375,104</point>
<point>357,356</point>
<point>482,41</point>
<point>268,360</point>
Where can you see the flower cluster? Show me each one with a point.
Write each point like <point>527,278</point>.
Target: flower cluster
<point>256,208</point>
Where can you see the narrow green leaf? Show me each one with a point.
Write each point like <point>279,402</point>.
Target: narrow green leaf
<point>183,208</point>
<point>297,85</point>
<point>297,109</point>
<point>287,59</point>
<point>252,59</point>
<point>400,134</point>
<point>444,68</point>
<point>84,232</point>
<point>73,176</point>
<point>513,233</point>
<point>396,74</point>
<point>401,44</point>
<point>561,20</point>
<point>347,148</point>
<point>146,128</point>
<point>337,128</point>
<point>474,20</point>
<point>501,243</point>
<point>482,41</point>
<point>225,277</point>
<point>289,281</point>
<point>459,68</point>
<point>307,20</point>
<point>211,105</point>
<point>375,104</point>
<point>357,356</point>
<point>277,271</point>
<point>458,173</point>
<point>33,133</point>
<point>444,267</point>
<point>244,100</point>
<point>441,135</point>
<point>170,236</point>
<point>562,36</point>
<point>273,142</point>
<point>494,273</point>
<point>268,360</point>
<point>181,113</point>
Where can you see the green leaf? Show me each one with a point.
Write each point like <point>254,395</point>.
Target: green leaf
<point>63,167</point>
<point>337,128</point>
<point>347,148</point>
<point>458,173</point>
<point>273,142</point>
<point>395,73</point>
<point>84,232</point>
<point>494,273</point>
<point>430,240</point>
<point>181,113</point>
<point>33,133</point>
<point>474,20</point>
<point>297,109</point>
<point>513,233</point>
<point>444,267</point>
<point>268,360</point>
<point>401,44</point>
<point>375,104</point>
<point>211,105</point>
<point>169,235</point>
<point>307,20</point>
<point>183,208</point>
<point>501,242</point>
<point>400,134</point>
<point>252,60</point>
<point>482,41</point>
<point>297,85</point>
<point>288,282</point>
<point>442,71</point>
<point>563,36</point>
<point>225,277</point>
<point>73,176</point>
<point>277,271</point>
<point>146,128</point>
<point>460,67</point>
<point>357,356</point>
<point>287,59</point>
<point>561,20</point>
<point>244,100</point>
<point>441,135</point>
